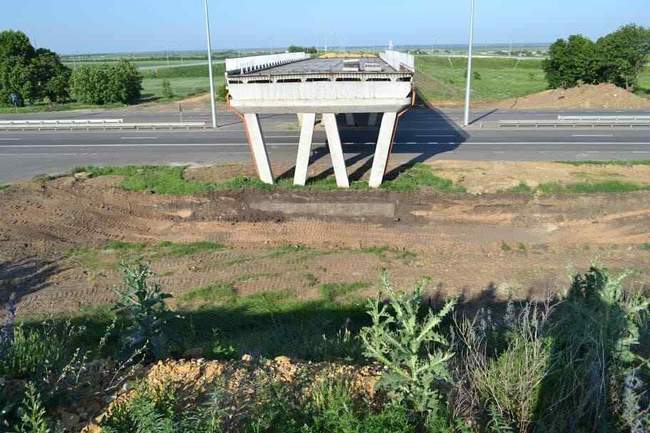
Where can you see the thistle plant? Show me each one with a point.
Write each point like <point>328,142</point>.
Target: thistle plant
<point>407,342</point>
<point>142,304</point>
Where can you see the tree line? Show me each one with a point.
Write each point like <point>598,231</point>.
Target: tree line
<point>617,58</point>
<point>29,75</point>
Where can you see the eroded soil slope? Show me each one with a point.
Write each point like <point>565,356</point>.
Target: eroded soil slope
<point>53,237</point>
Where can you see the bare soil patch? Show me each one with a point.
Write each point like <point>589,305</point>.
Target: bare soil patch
<point>53,236</point>
<point>588,96</point>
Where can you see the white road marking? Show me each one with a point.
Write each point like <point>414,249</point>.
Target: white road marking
<point>138,138</point>
<point>435,135</point>
<point>478,143</point>
<point>10,139</point>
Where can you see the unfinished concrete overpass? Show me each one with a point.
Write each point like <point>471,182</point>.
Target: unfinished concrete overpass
<point>381,87</point>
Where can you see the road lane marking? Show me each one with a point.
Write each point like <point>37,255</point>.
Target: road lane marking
<point>10,139</point>
<point>460,143</point>
<point>138,138</point>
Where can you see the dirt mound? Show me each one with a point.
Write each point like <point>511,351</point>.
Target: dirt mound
<point>191,380</point>
<point>601,96</point>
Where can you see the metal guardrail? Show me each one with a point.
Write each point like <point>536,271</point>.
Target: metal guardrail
<point>102,126</point>
<point>591,117</point>
<point>565,123</point>
<point>62,122</point>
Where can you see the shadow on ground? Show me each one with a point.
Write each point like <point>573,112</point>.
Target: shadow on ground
<point>24,277</point>
<point>422,133</point>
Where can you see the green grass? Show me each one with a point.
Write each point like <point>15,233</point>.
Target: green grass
<point>646,246</point>
<point>214,294</point>
<point>113,252</point>
<point>421,176</point>
<point>44,107</point>
<point>643,88</point>
<point>443,78</point>
<point>333,291</point>
<point>171,249</point>
<point>591,188</point>
<point>385,250</point>
<point>611,162</point>
<point>169,180</point>
<point>3,186</point>
<point>522,188</point>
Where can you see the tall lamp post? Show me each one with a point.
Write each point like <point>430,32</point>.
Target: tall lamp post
<point>468,90</point>
<point>212,95</point>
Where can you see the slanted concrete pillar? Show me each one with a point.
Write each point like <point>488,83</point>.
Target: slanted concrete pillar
<point>384,143</point>
<point>336,150</point>
<point>372,119</point>
<point>349,119</point>
<point>258,148</point>
<point>304,147</point>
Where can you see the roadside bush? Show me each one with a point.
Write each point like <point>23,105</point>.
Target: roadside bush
<point>411,348</point>
<point>505,366</point>
<point>141,304</point>
<point>167,91</point>
<point>222,93</point>
<point>105,84</point>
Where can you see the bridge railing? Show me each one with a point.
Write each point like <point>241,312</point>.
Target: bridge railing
<point>244,65</point>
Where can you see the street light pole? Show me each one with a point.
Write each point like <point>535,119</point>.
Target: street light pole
<point>212,95</point>
<point>468,90</point>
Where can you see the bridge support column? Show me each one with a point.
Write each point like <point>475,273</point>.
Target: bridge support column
<point>258,148</point>
<point>336,150</point>
<point>304,147</point>
<point>349,119</point>
<point>372,119</point>
<point>384,144</point>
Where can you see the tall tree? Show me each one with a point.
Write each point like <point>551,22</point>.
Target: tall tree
<point>572,62</point>
<point>33,75</point>
<point>623,55</point>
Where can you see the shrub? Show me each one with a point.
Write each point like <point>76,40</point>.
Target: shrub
<point>507,381</point>
<point>410,348</point>
<point>142,305</point>
<point>167,91</point>
<point>222,93</point>
<point>115,83</point>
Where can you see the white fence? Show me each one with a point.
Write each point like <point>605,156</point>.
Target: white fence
<point>399,60</point>
<point>254,63</point>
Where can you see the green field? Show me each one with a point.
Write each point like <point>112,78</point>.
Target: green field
<point>184,80</point>
<point>440,78</point>
<point>443,78</point>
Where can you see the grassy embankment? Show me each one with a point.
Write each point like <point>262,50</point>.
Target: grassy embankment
<point>170,180</point>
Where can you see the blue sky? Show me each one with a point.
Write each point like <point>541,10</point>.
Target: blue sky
<point>90,26</point>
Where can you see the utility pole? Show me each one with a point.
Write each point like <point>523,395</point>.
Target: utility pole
<point>468,90</point>
<point>212,95</point>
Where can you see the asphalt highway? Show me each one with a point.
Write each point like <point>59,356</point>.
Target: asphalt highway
<point>423,134</point>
